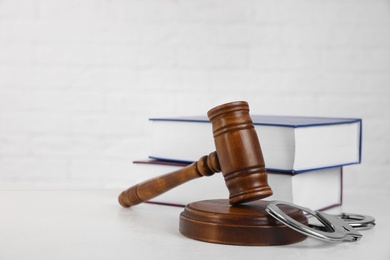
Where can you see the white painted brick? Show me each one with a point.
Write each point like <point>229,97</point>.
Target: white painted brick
<point>207,34</point>
<point>372,35</point>
<point>337,35</point>
<point>18,9</point>
<point>358,12</point>
<point>163,33</point>
<point>285,58</point>
<point>192,105</point>
<point>53,145</point>
<point>17,53</point>
<point>375,130</point>
<point>78,80</point>
<point>378,81</point>
<point>69,101</point>
<point>24,169</point>
<point>349,82</point>
<point>69,31</point>
<point>194,80</point>
<point>101,78</point>
<point>143,11</point>
<point>355,59</point>
<point>69,54</point>
<point>34,122</point>
<point>140,104</point>
<point>222,57</point>
<point>15,145</point>
<point>15,99</point>
<point>124,102</point>
<point>72,10</point>
<point>105,124</point>
<point>216,11</point>
<point>347,105</point>
<point>99,170</point>
<point>231,80</point>
<point>140,56</point>
<point>269,34</point>
<point>374,181</point>
<point>31,78</point>
<point>165,80</point>
<point>89,147</point>
<point>378,154</point>
<point>297,104</point>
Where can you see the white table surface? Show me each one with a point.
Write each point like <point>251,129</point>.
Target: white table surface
<point>90,224</point>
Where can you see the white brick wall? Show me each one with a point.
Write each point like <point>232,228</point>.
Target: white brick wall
<point>79,79</point>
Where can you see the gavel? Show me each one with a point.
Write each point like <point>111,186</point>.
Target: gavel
<point>238,156</point>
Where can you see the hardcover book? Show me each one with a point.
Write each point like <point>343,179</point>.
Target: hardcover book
<point>318,189</point>
<point>289,144</point>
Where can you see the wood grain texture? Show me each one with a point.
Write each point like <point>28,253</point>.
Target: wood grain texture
<point>217,221</point>
<point>239,152</point>
<point>238,155</point>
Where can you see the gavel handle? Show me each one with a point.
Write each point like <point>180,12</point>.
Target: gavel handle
<point>205,166</point>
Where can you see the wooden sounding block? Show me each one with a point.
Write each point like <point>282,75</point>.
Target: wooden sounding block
<point>216,221</point>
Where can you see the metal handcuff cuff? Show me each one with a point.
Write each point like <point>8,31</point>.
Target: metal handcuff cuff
<point>336,228</point>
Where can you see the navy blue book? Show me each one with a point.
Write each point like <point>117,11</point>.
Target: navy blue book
<point>290,144</point>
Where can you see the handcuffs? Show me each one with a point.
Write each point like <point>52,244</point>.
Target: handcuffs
<point>336,228</point>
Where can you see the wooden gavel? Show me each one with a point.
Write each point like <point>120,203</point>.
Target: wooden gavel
<point>238,155</point>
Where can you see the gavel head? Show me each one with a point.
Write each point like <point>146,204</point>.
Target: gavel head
<point>239,152</point>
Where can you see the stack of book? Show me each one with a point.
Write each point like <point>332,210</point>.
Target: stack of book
<point>304,157</point>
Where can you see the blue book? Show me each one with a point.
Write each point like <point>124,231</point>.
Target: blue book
<point>290,144</point>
